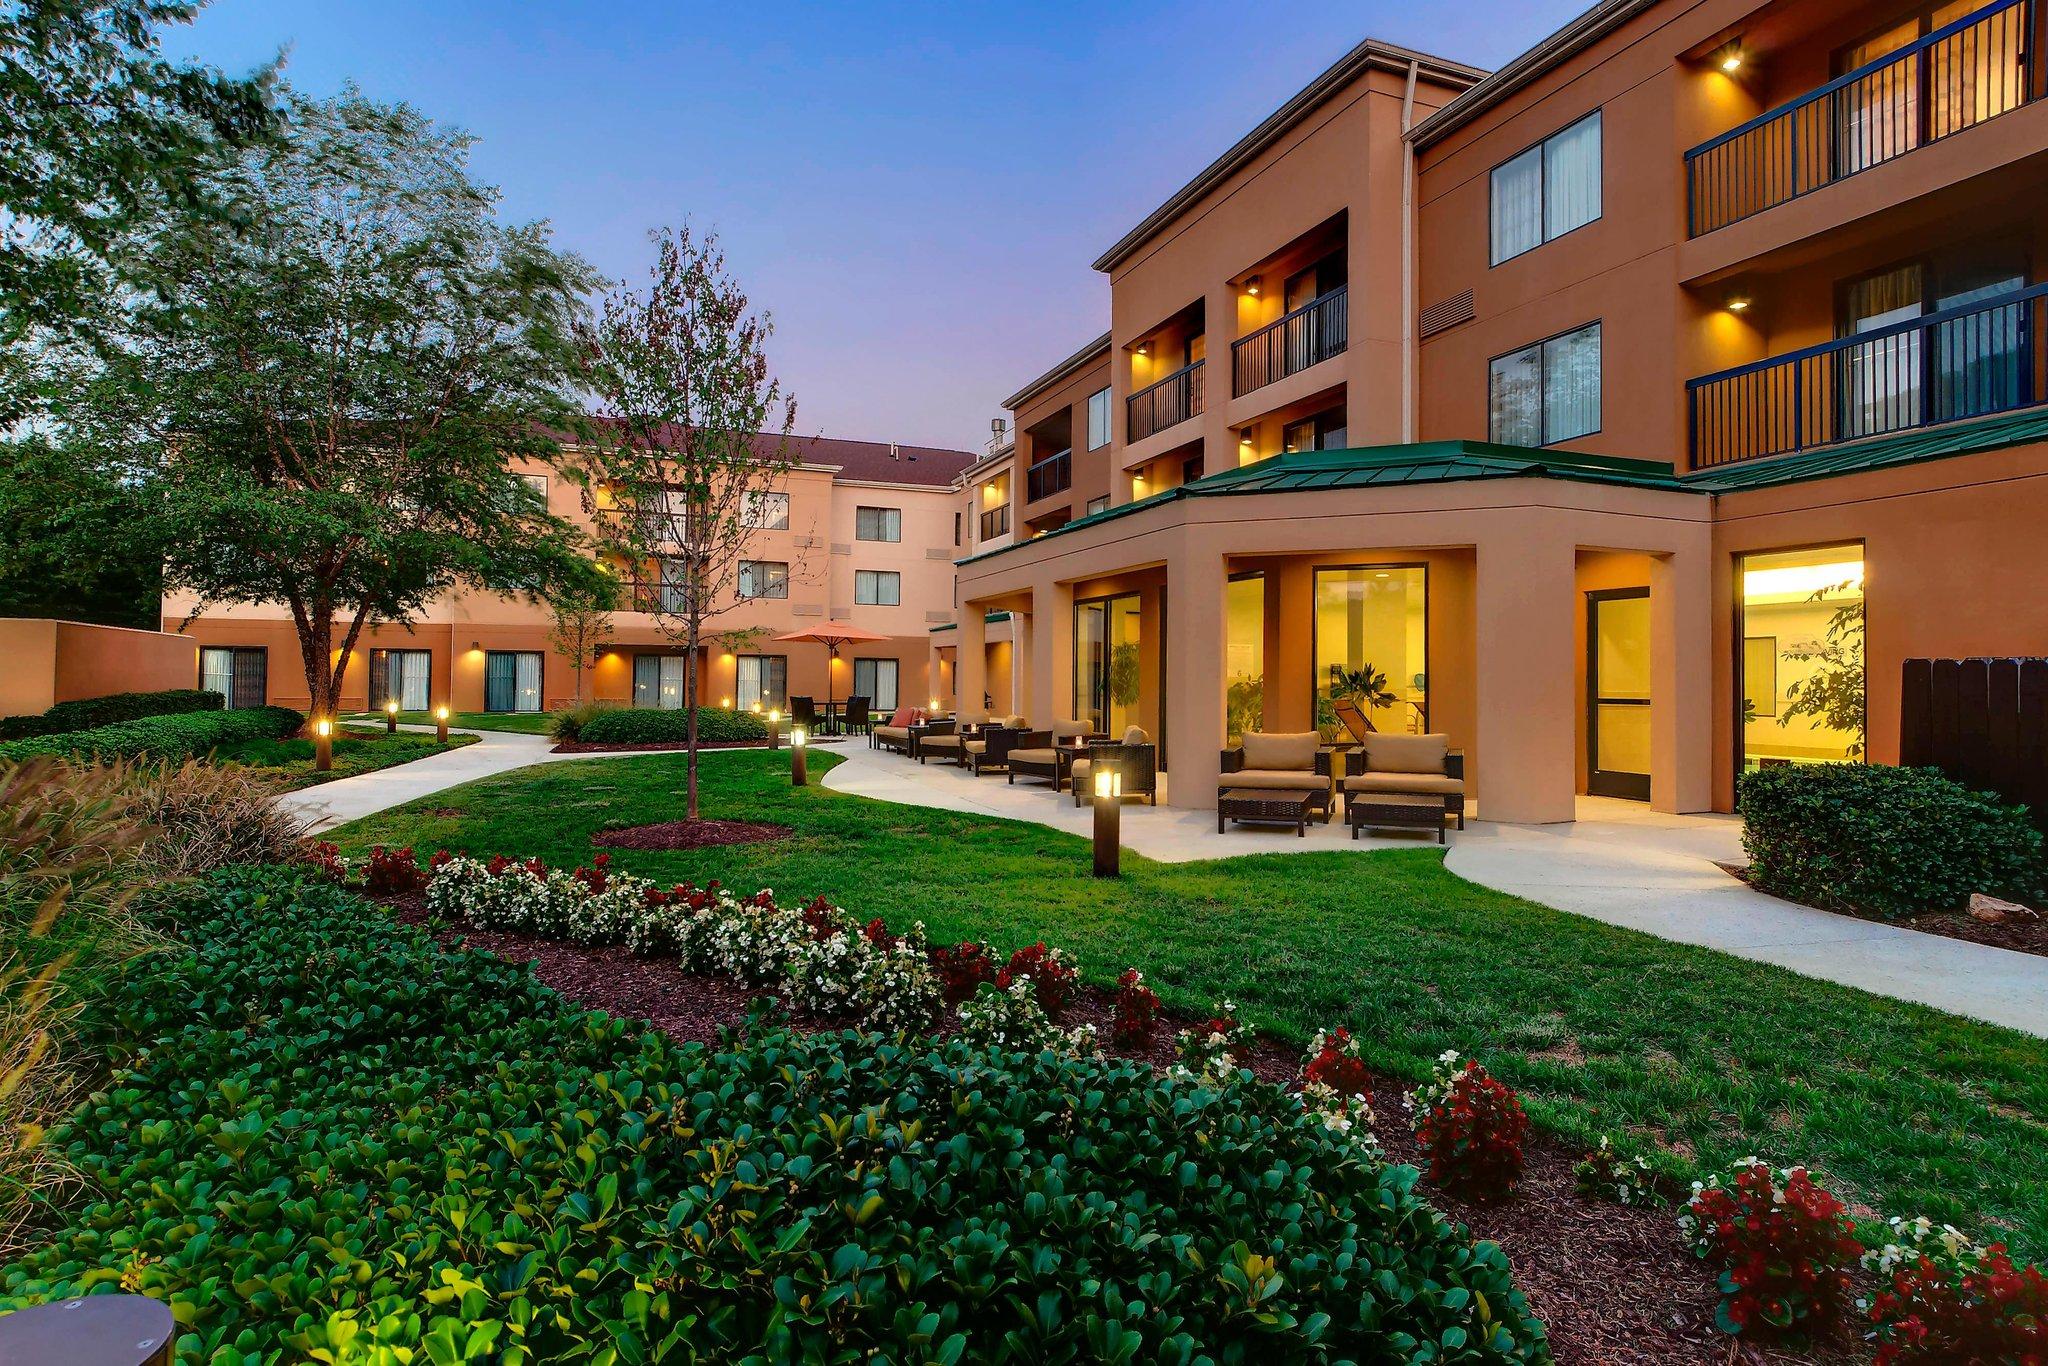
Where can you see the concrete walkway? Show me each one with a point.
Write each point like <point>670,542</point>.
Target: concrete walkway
<point>1619,862</point>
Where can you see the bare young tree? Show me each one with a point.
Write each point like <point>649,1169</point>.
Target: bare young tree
<point>581,626</point>
<point>692,433</point>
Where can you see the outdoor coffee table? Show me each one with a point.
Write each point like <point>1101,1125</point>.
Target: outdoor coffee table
<point>1266,805</point>
<point>1393,810</point>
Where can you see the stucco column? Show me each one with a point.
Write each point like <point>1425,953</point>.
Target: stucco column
<point>970,664</point>
<point>1194,674</point>
<point>1682,679</point>
<point>1219,327</point>
<point>1525,599</point>
<point>1022,641</point>
<point>1052,653</point>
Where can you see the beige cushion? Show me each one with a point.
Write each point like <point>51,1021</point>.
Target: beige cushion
<point>1068,730</point>
<point>1294,751</point>
<point>1405,753</point>
<point>939,742</point>
<point>892,732</point>
<point>1015,723</point>
<point>1135,735</point>
<point>1034,756</point>
<point>1292,779</point>
<point>977,746</point>
<point>1413,783</point>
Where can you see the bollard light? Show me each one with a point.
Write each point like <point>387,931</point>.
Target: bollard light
<point>323,745</point>
<point>799,769</point>
<point>441,723</point>
<point>391,717</point>
<point>725,703</point>
<point>1109,808</point>
<point>775,728</point>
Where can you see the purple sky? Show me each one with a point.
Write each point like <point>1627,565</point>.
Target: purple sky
<point>914,192</point>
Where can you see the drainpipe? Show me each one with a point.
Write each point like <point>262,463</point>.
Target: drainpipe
<point>1408,258</point>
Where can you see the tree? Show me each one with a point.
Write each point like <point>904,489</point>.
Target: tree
<point>323,404</point>
<point>64,548</point>
<point>100,134</point>
<point>692,431</point>
<point>1833,694</point>
<point>581,627</point>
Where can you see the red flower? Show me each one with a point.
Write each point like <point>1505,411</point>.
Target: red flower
<point>1051,978</point>
<point>1136,1013</point>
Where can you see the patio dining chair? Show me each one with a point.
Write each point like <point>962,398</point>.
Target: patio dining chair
<point>803,711</point>
<point>857,716</point>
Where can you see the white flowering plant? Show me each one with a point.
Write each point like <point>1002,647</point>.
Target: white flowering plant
<point>1011,1019</point>
<point>1605,1174</point>
<point>1214,1050</point>
<point>1336,1088</point>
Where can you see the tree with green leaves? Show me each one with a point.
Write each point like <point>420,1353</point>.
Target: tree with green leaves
<point>692,431</point>
<point>100,133</point>
<point>326,401</point>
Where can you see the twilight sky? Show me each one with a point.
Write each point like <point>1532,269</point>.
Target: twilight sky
<point>913,191</point>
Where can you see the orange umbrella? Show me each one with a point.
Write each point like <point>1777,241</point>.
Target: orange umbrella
<point>832,635</point>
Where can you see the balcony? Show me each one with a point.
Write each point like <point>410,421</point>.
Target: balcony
<point>1957,77</point>
<point>1969,361</point>
<point>1291,343</point>
<point>995,522</point>
<point>1054,474</point>
<point>1172,400</point>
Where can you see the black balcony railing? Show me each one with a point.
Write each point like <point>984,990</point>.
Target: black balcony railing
<point>994,522</point>
<point>1291,343</point>
<point>1172,400</point>
<point>1956,77</point>
<point>1967,361</point>
<point>1054,474</point>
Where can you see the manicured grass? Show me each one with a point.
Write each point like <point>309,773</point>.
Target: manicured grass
<point>1698,1057</point>
<point>291,761</point>
<point>517,722</point>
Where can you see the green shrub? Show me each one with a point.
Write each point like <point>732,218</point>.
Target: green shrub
<point>182,736</point>
<point>568,724</point>
<point>90,712</point>
<point>343,1141</point>
<point>648,726</point>
<point>1875,840</point>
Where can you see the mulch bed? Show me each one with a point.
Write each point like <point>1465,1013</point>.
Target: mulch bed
<point>697,834</point>
<point>663,747</point>
<point>2021,934</point>
<point>1613,1285</point>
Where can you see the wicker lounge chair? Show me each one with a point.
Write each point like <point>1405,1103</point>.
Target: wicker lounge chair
<point>894,734</point>
<point>1138,759</point>
<point>1297,762</point>
<point>1409,766</point>
<point>1047,753</point>
<point>989,750</point>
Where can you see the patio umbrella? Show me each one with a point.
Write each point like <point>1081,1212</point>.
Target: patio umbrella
<point>832,635</point>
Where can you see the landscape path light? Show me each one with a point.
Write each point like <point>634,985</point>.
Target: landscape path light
<point>1109,812</point>
<point>323,745</point>
<point>391,717</point>
<point>799,770</point>
<point>441,723</point>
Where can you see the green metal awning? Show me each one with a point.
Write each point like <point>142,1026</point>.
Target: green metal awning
<point>1884,452</point>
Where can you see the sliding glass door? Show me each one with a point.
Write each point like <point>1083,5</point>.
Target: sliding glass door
<point>1109,667</point>
<point>512,680</point>
<point>402,674</point>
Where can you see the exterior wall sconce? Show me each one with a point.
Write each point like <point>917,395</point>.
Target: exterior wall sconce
<point>441,724</point>
<point>1251,286</point>
<point>1731,60</point>
<point>391,717</point>
<point>799,770</point>
<point>1738,303</point>
<point>323,745</point>
<point>1144,348</point>
<point>726,703</point>
<point>1109,810</point>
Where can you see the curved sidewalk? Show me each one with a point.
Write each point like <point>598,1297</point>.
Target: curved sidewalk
<point>1620,863</point>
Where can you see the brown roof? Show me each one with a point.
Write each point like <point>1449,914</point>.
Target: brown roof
<point>883,462</point>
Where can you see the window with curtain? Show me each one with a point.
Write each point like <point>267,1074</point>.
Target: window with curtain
<point>764,579</point>
<point>1546,191</point>
<point>1546,392</point>
<point>240,674</point>
<point>1098,419</point>
<point>877,588</point>
<point>512,680</point>
<point>875,679</point>
<point>878,524</point>
<point>403,674</point>
<point>658,681</point>
<point>762,680</point>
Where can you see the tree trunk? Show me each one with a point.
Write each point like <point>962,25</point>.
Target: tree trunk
<point>316,636</point>
<point>690,700</point>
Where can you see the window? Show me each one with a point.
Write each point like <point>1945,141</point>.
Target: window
<point>403,674</point>
<point>1244,656</point>
<point>1372,644</point>
<point>512,680</point>
<point>768,511</point>
<point>878,524</point>
<point>877,588</point>
<point>1548,190</point>
<point>1098,419</point>
<point>761,680</point>
<point>764,579</point>
<point>1096,505</point>
<point>1323,432</point>
<point>538,483</point>
<point>658,681</point>
<point>1800,621</point>
<point>956,531</point>
<point>240,674</point>
<point>875,679</point>
<point>1546,393</point>
<point>1191,469</point>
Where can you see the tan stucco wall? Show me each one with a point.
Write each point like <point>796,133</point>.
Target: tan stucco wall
<point>47,662</point>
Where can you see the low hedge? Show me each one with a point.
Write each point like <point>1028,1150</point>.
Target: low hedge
<point>650,726</point>
<point>181,736</point>
<point>1875,840</point>
<point>90,712</point>
<point>342,1141</point>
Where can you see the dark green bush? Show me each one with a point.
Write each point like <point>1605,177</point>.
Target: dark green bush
<point>340,1140</point>
<point>1875,840</point>
<point>182,736</point>
<point>89,712</point>
<point>568,723</point>
<point>648,726</point>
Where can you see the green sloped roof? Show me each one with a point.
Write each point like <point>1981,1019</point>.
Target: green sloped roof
<point>1884,452</point>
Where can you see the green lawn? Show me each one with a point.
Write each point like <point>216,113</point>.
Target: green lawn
<point>517,722</point>
<point>1703,1058</point>
<point>291,761</point>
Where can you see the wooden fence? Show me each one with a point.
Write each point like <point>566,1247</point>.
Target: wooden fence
<point>1982,721</point>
